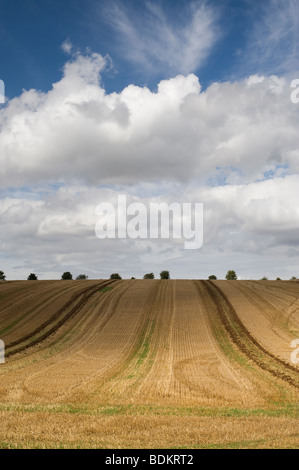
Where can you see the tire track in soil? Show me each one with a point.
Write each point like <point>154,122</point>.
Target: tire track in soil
<point>85,295</point>
<point>281,316</point>
<point>272,310</point>
<point>246,343</point>
<point>44,302</point>
<point>64,374</point>
<point>112,381</point>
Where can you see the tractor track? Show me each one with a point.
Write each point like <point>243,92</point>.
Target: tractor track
<point>77,301</point>
<point>245,342</point>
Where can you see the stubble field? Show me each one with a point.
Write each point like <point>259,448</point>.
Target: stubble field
<point>149,364</point>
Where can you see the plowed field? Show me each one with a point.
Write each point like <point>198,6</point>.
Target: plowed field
<point>149,364</point>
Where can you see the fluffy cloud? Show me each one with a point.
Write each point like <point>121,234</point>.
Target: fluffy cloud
<point>56,232</point>
<point>230,132</point>
<point>233,147</point>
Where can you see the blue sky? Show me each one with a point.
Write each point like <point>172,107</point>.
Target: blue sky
<point>33,31</point>
<point>163,101</point>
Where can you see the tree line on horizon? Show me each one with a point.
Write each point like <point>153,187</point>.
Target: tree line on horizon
<point>231,275</point>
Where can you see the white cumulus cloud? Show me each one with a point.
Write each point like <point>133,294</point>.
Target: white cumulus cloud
<point>233,147</point>
<point>233,131</point>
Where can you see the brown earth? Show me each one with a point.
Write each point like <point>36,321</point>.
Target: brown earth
<point>106,363</point>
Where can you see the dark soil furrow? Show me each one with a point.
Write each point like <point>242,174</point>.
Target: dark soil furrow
<point>245,342</point>
<point>77,301</point>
